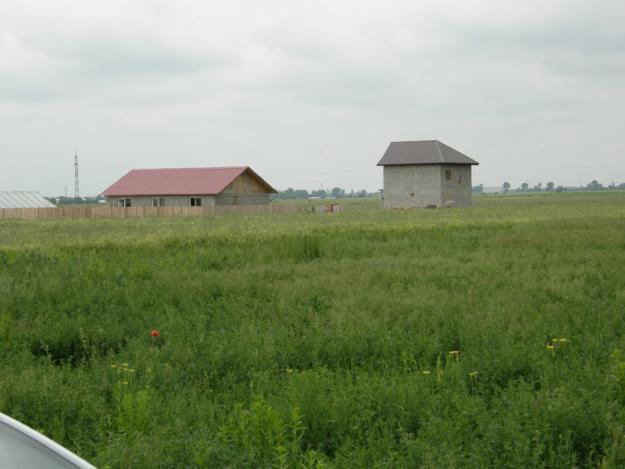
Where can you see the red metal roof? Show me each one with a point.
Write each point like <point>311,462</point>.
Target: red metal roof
<point>179,181</point>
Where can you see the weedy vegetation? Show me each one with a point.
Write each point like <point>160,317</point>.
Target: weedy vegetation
<point>487,336</point>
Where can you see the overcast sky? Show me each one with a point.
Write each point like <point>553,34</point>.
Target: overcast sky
<point>309,93</point>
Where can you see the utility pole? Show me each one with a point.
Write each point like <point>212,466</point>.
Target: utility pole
<point>76,191</point>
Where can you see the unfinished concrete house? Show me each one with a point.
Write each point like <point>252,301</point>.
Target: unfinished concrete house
<point>189,187</point>
<point>425,173</point>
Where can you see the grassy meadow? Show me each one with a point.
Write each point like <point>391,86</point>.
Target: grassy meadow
<point>492,336</point>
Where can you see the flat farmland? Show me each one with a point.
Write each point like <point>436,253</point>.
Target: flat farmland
<point>492,336</point>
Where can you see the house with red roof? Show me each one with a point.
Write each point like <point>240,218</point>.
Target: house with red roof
<point>189,187</point>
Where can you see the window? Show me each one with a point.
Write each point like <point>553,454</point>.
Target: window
<point>447,175</point>
<point>158,202</point>
<point>459,179</point>
<point>196,201</point>
<point>123,203</point>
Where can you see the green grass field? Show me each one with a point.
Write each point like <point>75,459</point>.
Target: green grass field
<point>492,336</point>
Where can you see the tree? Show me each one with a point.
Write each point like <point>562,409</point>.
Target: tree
<point>594,185</point>
<point>291,193</point>
<point>362,193</point>
<point>301,194</point>
<point>287,194</point>
<point>550,186</point>
<point>538,187</point>
<point>524,186</point>
<point>506,187</point>
<point>319,193</point>
<point>337,192</point>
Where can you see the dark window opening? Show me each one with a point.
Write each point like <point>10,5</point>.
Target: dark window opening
<point>460,179</point>
<point>158,202</point>
<point>196,201</point>
<point>447,175</point>
<point>123,203</point>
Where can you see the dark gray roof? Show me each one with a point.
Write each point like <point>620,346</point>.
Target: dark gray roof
<point>423,152</point>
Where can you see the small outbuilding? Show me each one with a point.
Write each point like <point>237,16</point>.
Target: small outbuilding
<point>425,173</point>
<point>23,199</point>
<point>189,187</point>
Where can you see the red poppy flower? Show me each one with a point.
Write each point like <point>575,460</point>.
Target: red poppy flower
<point>154,333</point>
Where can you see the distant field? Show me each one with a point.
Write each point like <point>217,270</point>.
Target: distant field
<point>487,336</point>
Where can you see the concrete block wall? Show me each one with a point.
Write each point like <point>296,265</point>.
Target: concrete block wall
<point>412,186</point>
<point>456,191</point>
<point>420,186</point>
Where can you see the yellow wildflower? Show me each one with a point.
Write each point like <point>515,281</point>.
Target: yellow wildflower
<point>550,348</point>
<point>473,374</point>
<point>426,372</point>
<point>113,366</point>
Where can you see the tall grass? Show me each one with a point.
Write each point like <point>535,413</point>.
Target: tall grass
<point>491,336</point>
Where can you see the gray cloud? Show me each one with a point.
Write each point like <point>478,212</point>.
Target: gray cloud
<point>115,58</point>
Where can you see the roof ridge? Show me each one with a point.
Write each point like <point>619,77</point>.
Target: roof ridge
<point>413,141</point>
<point>190,167</point>
<point>438,148</point>
<point>21,192</point>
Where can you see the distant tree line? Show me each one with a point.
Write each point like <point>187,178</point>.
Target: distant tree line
<point>335,192</point>
<point>550,186</point>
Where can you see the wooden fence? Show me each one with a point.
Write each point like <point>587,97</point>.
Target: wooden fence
<point>63,213</point>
